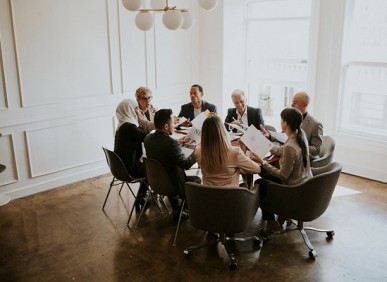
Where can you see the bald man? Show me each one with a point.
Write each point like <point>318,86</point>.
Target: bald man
<point>313,128</point>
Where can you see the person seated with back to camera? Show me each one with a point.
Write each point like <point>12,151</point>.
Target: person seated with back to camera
<point>196,106</point>
<point>127,144</point>
<point>162,147</point>
<point>242,113</point>
<point>220,162</point>
<point>294,164</point>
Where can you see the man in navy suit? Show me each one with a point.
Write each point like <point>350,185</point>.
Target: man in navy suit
<point>197,105</point>
<point>243,114</point>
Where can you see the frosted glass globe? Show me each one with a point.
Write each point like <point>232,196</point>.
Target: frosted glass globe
<point>172,19</point>
<point>144,21</point>
<point>207,4</point>
<point>132,5</point>
<point>188,20</point>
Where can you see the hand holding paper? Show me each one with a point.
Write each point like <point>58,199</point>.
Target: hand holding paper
<point>256,142</point>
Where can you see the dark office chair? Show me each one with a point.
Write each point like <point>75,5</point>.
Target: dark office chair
<point>223,210</point>
<point>326,152</point>
<point>120,174</point>
<point>160,184</point>
<point>270,128</point>
<point>304,202</point>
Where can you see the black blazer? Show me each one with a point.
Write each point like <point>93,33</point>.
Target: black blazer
<point>160,146</point>
<point>254,116</point>
<point>187,110</point>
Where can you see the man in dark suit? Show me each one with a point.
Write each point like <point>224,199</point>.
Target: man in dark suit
<point>162,147</point>
<point>243,114</point>
<point>197,105</point>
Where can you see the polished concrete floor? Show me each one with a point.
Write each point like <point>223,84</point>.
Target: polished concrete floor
<point>63,235</point>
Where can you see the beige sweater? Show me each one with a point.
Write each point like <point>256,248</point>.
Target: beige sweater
<point>229,176</point>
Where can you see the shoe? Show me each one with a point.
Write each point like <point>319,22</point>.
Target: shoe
<point>268,227</point>
<point>281,220</point>
<point>176,214</point>
<point>273,227</point>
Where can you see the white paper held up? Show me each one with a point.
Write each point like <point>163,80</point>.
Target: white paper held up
<point>256,142</point>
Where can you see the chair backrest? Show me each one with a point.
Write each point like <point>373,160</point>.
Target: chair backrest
<point>157,177</point>
<point>326,152</point>
<point>117,167</point>
<point>221,209</point>
<point>304,202</point>
<point>270,127</point>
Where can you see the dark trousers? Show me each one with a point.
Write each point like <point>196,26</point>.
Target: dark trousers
<point>263,183</point>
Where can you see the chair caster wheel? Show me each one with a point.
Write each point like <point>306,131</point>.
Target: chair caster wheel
<point>233,265</point>
<point>312,254</point>
<point>187,253</point>
<point>330,234</point>
<point>257,242</point>
<point>233,262</point>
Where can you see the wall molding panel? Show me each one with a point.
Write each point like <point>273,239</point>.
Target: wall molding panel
<point>8,158</point>
<point>63,59</point>
<point>64,67</point>
<point>3,87</point>
<point>61,147</point>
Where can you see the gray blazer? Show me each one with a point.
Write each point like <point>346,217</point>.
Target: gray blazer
<point>314,133</point>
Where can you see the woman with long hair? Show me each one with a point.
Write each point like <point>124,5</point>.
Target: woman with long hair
<point>221,163</point>
<point>294,166</point>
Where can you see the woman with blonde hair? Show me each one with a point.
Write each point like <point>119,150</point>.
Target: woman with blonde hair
<point>221,163</point>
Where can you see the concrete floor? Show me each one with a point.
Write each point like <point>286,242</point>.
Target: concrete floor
<point>63,235</point>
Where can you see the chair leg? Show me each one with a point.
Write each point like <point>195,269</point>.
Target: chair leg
<point>130,189</point>
<point>107,196</point>
<point>233,263</point>
<point>178,223</point>
<point>122,185</point>
<point>202,243</point>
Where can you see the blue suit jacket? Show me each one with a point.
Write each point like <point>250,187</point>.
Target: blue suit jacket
<point>187,110</point>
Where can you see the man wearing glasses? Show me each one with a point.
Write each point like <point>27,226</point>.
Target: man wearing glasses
<point>145,111</point>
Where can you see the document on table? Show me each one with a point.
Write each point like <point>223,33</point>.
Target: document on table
<point>237,127</point>
<point>256,142</point>
<point>280,136</point>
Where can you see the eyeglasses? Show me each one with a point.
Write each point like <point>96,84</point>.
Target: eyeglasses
<point>146,98</point>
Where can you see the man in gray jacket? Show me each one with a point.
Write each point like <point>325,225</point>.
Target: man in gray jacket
<point>313,128</point>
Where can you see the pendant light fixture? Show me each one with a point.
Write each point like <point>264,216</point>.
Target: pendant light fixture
<point>173,18</point>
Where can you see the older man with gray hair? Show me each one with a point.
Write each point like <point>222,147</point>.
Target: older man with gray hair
<point>243,114</point>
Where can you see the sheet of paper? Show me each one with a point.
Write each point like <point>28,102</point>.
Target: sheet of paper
<point>198,121</point>
<point>280,136</point>
<point>237,127</point>
<point>180,121</point>
<point>194,135</point>
<point>256,142</point>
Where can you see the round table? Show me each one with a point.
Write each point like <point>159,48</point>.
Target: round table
<point>4,199</point>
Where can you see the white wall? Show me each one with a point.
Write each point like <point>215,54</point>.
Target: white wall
<point>64,67</point>
<point>359,156</point>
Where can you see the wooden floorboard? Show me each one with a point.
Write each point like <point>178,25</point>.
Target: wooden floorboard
<point>63,235</point>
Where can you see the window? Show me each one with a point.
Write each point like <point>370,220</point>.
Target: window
<point>277,53</point>
<point>364,70</point>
